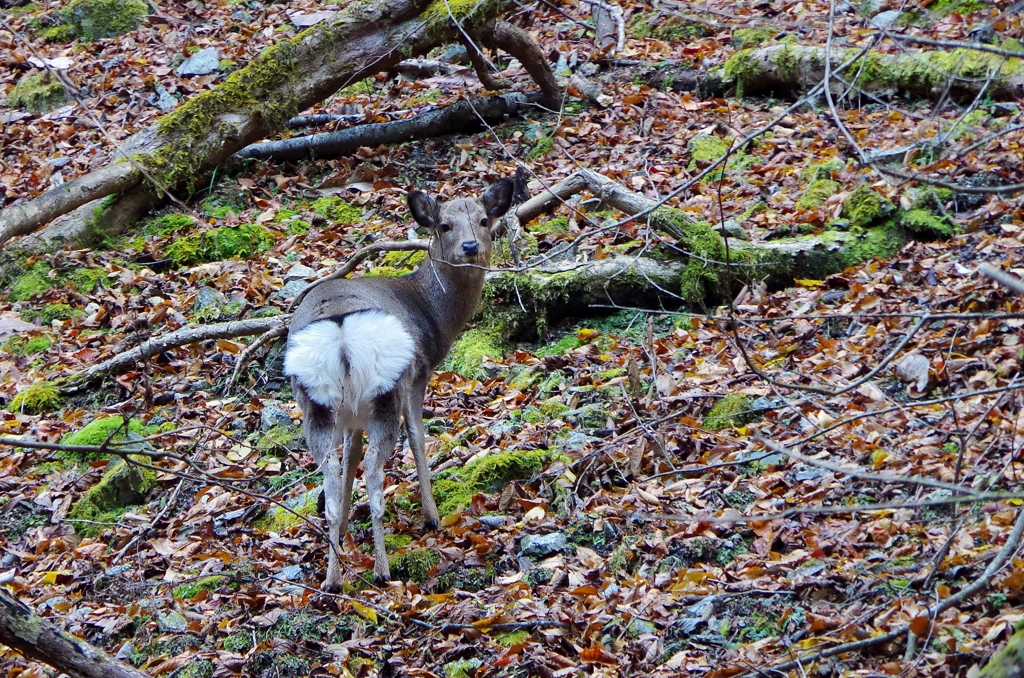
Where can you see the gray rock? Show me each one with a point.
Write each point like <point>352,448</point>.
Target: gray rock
<point>291,289</point>
<point>126,652</point>
<point>209,302</point>
<point>885,19</point>
<point>299,272</point>
<point>493,522</point>
<point>870,7</point>
<point>456,54</point>
<point>543,545</point>
<point>273,416</point>
<point>203,62</point>
<point>171,621</point>
<point>163,99</point>
<point>734,230</point>
<point>291,573</point>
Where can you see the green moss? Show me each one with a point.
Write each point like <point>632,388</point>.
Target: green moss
<point>465,579</point>
<point>217,244</point>
<point>731,411</point>
<point>470,351</point>
<point>394,542</point>
<point>699,282</point>
<point>123,485</point>
<point>923,222</point>
<point>667,27</point>
<point>705,149</point>
<point>337,211</point>
<point>946,7</point>
<point>239,643</point>
<point>926,72</point>
<point>190,589</point>
<point>100,19</point>
<point>99,431</point>
<point>865,207</point>
<point>489,474</point>
<point>513,638</point>
<point>199,668</point>
<point>86,280</point>
<point>52,312</point>
<point>546,411</point>
<point>37,93</point>
<point>817,193</point>
<point>364,86</point>
<point>279,438</point>
<point>541,148</point>
<point>168,224</point>
<point>279,519</point>
<point>414,565</point>
<point>20,345</point>
<point>749,38</point>
<point>740,69</point>
<point>468,13</point>
<point>555,226</point>
<point>36,398</point>
<point>819,171</point>
<point>462,668</point>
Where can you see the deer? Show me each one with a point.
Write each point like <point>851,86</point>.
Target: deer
<point>360,353</point>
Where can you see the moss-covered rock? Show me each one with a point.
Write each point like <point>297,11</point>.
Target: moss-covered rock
<point>747,38</point>
<point>217,244</point>
<point>38,397</point>
<point>121,486</point>
<point>100,19</point>
<point>455,488</point>
<point>279,518</point>
<point>817,193</point>
<point>338,211</point>
<point>555,226</point>
<point>414,565</point>
<point>865,207</point>
<point>666,27</point>
<point>471,350</point>
<point>37,93</point>
<point>922,222</point>
<point>21,345</point>
<point>705,149</point>
<point>189,589</point>
<point>730,412</point>
<point>102,429</point>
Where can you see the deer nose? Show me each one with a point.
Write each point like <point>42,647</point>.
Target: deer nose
<point>470,247</point>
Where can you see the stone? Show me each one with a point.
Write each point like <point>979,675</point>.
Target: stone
<point>299,272</point>
<point>543,545</point>
<point>493,522</point>
<point>163,99</point>
<point>734,230</point>
<point>291,573</point>
<point>171,621</point>
<point>273,416</point>
<point>126,652</point>
<point>291,289</point>
<point>885,19</point>
<point>203,62</point>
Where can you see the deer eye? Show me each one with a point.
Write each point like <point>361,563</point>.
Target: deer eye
<point>445,227</point>
<point>483,222</point>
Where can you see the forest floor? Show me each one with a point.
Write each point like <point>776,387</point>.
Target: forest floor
<point>677,540</point>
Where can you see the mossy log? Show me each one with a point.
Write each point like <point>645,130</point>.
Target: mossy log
<point>1008,662</point>
<point>361,40</point>
<point>928,74</point>
<point>38,639</point>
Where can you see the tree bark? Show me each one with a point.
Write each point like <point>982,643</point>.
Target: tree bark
<point>462,116</point>
<point>38,639</point>
<point>363,39</point>
<point>796,68</point>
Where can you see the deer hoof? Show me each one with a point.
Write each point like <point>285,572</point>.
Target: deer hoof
<point>430,526</point>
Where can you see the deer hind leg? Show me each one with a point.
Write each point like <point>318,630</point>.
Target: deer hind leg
<point>383,433</point>
<point>351,455</point>
<point>322,433</point>
<point>417,441</point>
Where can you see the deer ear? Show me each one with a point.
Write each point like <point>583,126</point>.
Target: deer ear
<point>424,210</point>
<point>497,198</point>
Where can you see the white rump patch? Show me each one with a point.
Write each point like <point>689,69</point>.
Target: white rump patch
<point>378,350</point>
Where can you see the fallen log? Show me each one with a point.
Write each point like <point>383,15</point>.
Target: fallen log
<point>361,40</point>
<point>38,639</point>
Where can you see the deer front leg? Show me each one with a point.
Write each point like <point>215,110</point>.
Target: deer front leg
<point>383,436</point>
<point>417,441</point>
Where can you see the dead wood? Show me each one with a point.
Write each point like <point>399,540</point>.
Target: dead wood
<point>38,639</point>
<point>464,116</point>
<point>363,39</point>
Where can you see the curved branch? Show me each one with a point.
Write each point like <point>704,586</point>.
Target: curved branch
<point>186,335</point>
<point>517,42</point>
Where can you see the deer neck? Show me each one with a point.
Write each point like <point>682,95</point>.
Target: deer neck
<point>451,295</point>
